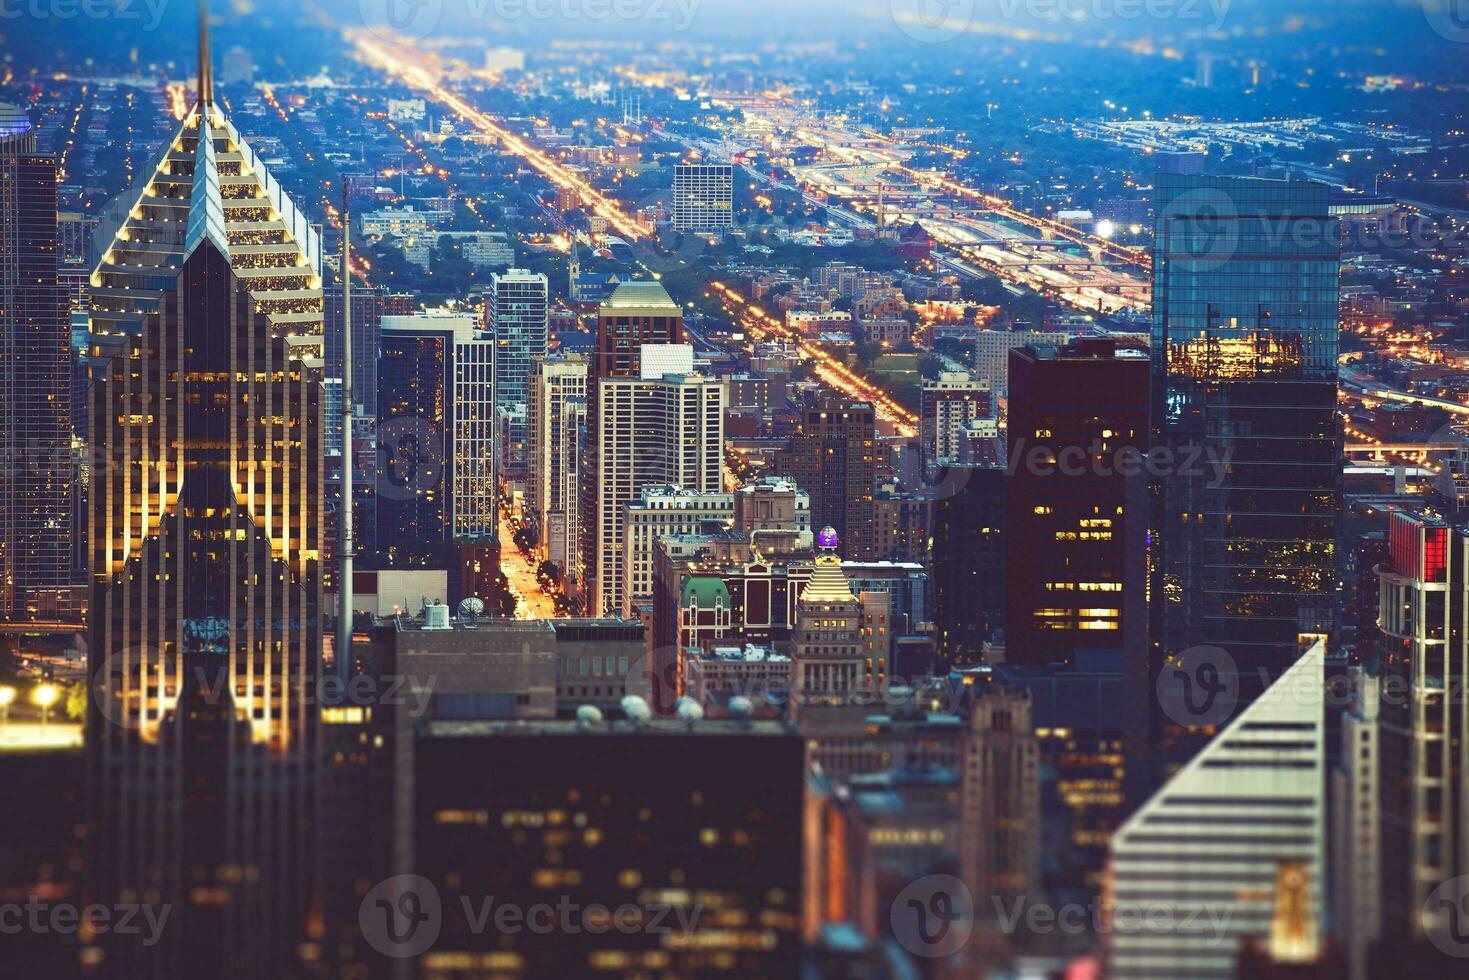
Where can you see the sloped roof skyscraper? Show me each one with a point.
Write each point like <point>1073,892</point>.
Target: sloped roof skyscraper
<point>206,538</point>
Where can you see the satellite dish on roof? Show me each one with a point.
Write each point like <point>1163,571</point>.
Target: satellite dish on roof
<point>636,708</point>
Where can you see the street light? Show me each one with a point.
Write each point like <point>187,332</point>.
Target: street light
<point>7,695</point>
<point>44,697</point>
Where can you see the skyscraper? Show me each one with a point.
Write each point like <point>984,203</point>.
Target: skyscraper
<point>475,486</point>
<point>436,419</point>
<point>211,547</point>
<point>1075,413</point>
<point>637,313</point>
<point>414,420</point>
<point>1422,723</point>
<point>1193,869</point>
<point>206,536</point>
<point>833,457</point>
<point>703,196</point>
<point>367,313</point>
<point>35,382</point>
<point>1244,382</point>
<point>519,320</point>
<point>664,427</point>
<point>557,421</point>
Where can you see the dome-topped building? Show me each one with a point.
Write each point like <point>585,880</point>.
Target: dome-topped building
<point>828,660</point>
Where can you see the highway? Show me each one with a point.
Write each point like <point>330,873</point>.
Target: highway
<point>830,369</point>
<point>1371,388</point>
<point>756,321</point>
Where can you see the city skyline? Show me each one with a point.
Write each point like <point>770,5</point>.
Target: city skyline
<point>697,489</point>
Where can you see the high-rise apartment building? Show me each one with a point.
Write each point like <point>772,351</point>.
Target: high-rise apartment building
<point>1244,384</point>
<point>992,352</point>
<point>519,320</point>
<point>948,403</point>
<point>703,196</point>
<point>1193,870</point>
<point>556,423</point>
<point>475,488</point>
<point>833,457</point>
<point>1078,414</point>
<point>637,313</point>
<point>664,427</point>
<point>35,382</point>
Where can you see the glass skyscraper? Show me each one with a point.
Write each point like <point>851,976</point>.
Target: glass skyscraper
<point>1245,438</point>
<point>35,382</point>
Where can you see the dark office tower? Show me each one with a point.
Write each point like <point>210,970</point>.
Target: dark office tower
<point>1078,420</point>
<point>367,318</point>
<point>1243,419</point>
<point>35,382</point>
<point>833,457</point>
<point>414,493</point>
<point>581,824</point>
<point>968,564</point>
<point>206,532</point>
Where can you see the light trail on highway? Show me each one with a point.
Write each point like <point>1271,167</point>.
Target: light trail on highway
<point>416,76</point>
<point>828,368</point>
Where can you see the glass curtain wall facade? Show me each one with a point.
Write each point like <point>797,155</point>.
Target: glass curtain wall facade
<point>1244,387</point>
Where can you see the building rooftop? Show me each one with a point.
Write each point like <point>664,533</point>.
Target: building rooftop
<point>13,120</point>
<point>640,295</point>
<point>574,727</point>
<point>749,653</point>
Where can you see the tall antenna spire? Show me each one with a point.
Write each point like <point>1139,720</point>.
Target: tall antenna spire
<point>206,71</point>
